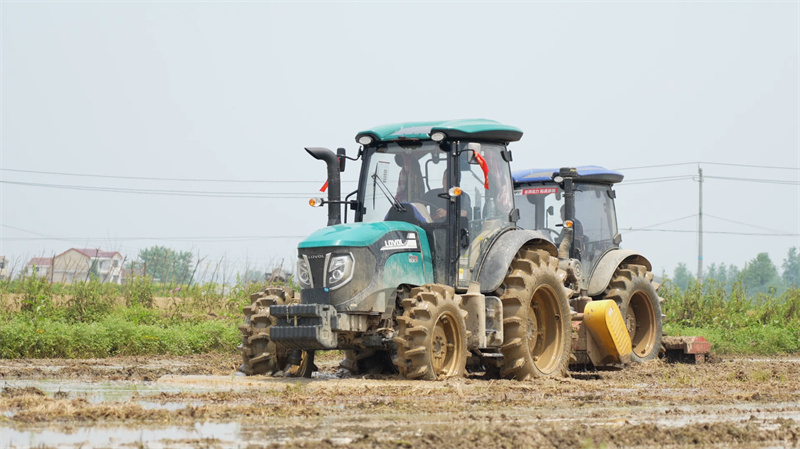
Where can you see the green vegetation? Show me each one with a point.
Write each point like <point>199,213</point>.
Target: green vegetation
<point>166,264</point>
<point>95,319</point>
<point>759,275</point>
<point>733,322</point>
<point>755,310</point>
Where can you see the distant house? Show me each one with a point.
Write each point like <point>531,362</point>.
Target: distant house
<point>39,266</point>
<point>81,263</point>
<point>3,268</point>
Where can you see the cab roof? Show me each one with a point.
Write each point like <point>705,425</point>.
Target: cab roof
<point>474,129</point>
<point>586,173</point>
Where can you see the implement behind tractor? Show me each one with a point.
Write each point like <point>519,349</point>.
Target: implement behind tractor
<point>441,273</point>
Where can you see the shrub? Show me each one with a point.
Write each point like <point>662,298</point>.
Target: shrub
<point>138,290</point>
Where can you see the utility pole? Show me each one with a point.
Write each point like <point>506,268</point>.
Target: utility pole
<point>700,228</point>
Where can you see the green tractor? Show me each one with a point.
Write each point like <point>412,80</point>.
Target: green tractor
<point>574,207</point>
<point>433,277</point>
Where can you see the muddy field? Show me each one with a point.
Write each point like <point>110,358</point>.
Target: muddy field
<point>196,401</point>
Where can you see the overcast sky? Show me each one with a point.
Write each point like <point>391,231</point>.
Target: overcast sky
<point>118,92</point>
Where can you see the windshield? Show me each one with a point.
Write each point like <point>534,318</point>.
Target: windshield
<point>541,207</point>
<point>409,175</point>
<point>408,181</point>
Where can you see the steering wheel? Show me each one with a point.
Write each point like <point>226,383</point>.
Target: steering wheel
<point>553,233</point>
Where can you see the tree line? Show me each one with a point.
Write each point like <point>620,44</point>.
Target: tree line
<point>759,275</point>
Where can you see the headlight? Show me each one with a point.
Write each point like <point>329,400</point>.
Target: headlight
<point>304,273</point>
<point>340,270</point>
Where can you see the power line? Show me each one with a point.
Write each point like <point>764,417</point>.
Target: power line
<point>173,239</point>
<point>655,180</point>
<point>714,232</point>
<point>154,178</point>
<point>24,230</point>
<point>772,167</point>
<point>666,222</point>
<point>195,193</point>
<point>763,181</point>
<point>726,178</point>
<point>743,224</point>
<point>176,239</point>
<point>657,166</point>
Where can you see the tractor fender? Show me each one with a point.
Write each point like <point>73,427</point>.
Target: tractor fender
<point>608,264</point>
<point>493,267</point>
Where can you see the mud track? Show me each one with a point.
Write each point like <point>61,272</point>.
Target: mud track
<point>196,401</point>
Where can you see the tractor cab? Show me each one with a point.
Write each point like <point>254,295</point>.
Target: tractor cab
<point>582,197</point>
<point>452,179</point>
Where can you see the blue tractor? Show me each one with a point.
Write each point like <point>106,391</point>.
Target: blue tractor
<point>574,207</point>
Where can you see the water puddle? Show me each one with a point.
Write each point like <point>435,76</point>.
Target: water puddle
<point>221,434</point>
<point>96,392</point>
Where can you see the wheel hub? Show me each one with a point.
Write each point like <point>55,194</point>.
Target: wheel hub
<point>443,345</point>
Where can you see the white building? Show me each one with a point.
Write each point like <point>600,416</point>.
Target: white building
<point>78,264</point>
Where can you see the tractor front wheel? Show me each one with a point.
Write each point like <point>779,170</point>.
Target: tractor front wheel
<point>432,334</point>
<point>299,363</point>
<point>259,353</point>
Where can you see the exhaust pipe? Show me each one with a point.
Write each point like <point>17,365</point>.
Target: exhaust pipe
<point>334,182</point>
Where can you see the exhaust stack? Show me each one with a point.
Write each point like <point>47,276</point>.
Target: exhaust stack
<point>334,182</point>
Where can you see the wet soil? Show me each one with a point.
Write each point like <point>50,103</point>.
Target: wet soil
<point>197,401</point>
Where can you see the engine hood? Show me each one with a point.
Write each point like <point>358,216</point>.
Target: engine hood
<point>357,234</point>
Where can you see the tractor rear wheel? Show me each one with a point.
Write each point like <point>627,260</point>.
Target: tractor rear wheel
<point>632,290</point>
<point>432,334</point>
<point>536,318</point>
<point>259,353</point>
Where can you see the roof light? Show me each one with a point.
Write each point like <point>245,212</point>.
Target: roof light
<point>365,140</point>
<point>438,136</point>
<point>568,224</point>
<point>316,202</point>
<point>454,191</point>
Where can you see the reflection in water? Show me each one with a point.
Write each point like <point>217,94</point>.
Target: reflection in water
<point>152,437</point>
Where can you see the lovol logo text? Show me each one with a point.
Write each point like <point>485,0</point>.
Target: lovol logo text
<point>396,244</point>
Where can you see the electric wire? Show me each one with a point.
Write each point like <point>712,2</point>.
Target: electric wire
<point>772,167</point>
<point>193,193</point>
<point>667,222</point>
<point>694,231</point>
<point>763,181</point>
<point>742,223</point>
<point>155,178</point>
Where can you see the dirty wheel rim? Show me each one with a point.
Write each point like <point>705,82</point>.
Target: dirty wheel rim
<point>545,336</point>
<point>640,319</point>
<point>305,368</point>
<point>445,345</point>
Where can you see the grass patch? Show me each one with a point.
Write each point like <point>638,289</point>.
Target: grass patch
<point>752,340</point>
<point>124,331</point>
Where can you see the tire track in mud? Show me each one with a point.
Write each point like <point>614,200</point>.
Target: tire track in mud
<point>731,403</point>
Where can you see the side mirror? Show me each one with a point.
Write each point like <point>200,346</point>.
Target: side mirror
<point>550,211</point>
<point>473,148</point>
<point>617,239</point>
<point>341,154</point>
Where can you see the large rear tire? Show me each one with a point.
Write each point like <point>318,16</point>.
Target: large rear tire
<point>259,353</point>
<point>432,334</point>
<point>536,318</point>
<point>631,288</point>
